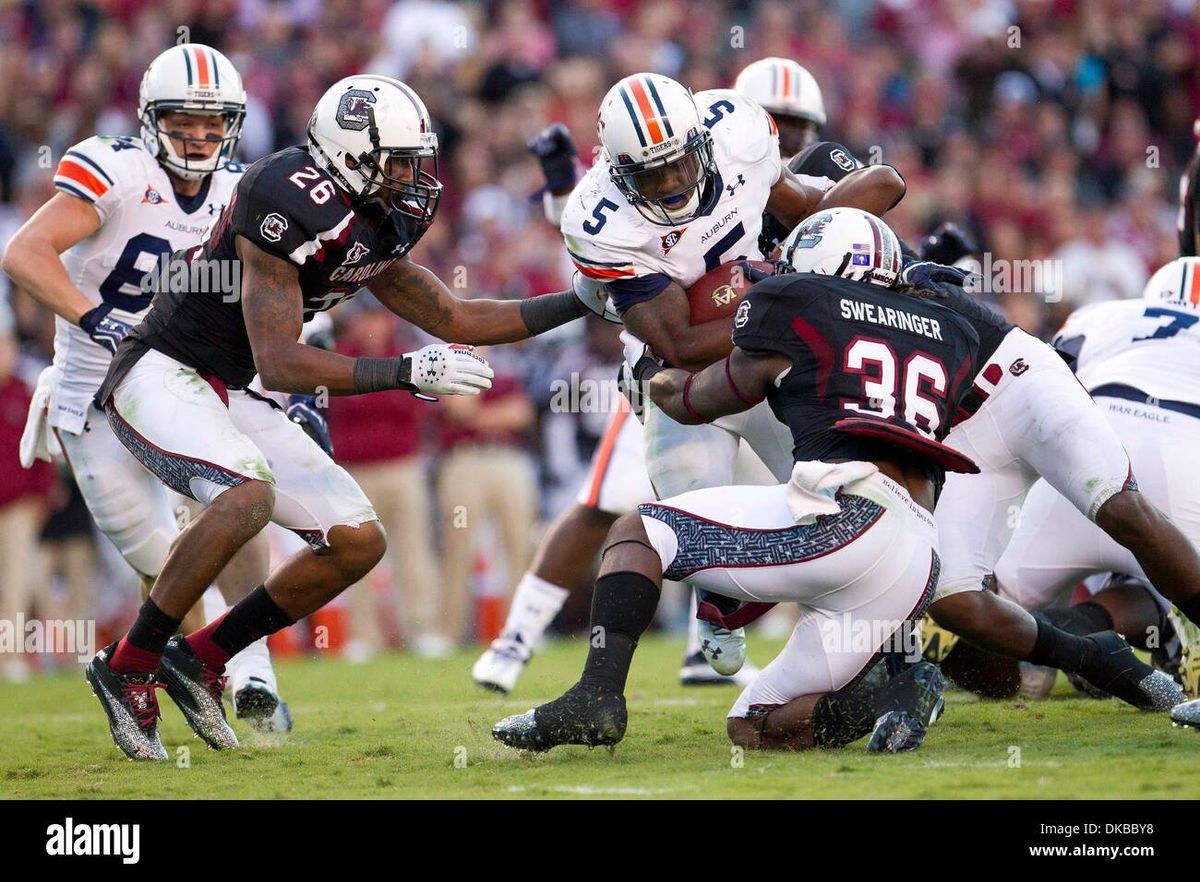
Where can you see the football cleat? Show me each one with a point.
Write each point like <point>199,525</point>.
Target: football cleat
<point>586,715</point>
<point>896,731</point>
<point>1186,714</point>
<point>197,689</point>
<point>131,706</point>
<point>1188,634</point>
<point>1113,668</point>
<point>696,671</point>
<point>260,706</point>
<point>723,649</point>
<point>501,664</point>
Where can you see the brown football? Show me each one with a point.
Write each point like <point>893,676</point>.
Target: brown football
<point>715,294</point>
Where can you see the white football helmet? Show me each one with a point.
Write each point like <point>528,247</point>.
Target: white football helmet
<point>844,242</point>
<point>659,152</point>
<point>192,78</point>
<point>790,94</point>
<point>360,124</point>
<point>1176,284</point>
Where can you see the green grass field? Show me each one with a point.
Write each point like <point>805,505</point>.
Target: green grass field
<point>405,728</point>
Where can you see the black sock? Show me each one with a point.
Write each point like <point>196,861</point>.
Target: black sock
<point>1056,648</point>
<point>1190,608</point>
<point>152,629</point>
<point>256,615</point>
<point>1082,618</point>
<point>623,606</point>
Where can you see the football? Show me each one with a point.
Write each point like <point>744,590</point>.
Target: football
<point>715,294</point>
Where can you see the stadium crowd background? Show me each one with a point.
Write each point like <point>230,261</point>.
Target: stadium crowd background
<point>1050,129</point>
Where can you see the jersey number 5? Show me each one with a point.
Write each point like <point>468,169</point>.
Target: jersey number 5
<point>922,398</point>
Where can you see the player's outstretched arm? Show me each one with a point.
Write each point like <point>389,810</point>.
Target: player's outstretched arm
<point>32,256</point>
<point>272,304</point>
<point>875,189</point>
<point>664,323</point>
<point>417,295</point>
<point>732,385</point>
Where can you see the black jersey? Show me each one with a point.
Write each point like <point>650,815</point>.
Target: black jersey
<point>876,373</point>
<point>828,162</point>
<point>287,206</point>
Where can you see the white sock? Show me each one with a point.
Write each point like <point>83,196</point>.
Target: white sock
<point>535,603</point>
<point>253,661</point>
<point>693,632</point>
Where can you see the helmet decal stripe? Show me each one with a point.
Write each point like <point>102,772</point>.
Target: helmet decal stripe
<point>637,124</point>
<point>662,113</point>
<point>877,258</point>
<point>216,70</point>
<point>643,103</point>
<point>201,67</point>
<point>1183,278</point>
<point>187,60</point>
<point>1194,293</point>
<point>787,82</point>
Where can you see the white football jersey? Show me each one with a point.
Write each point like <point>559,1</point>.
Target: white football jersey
<point>141,220</point>
<point>608,239</point>
<point>1151,346</point>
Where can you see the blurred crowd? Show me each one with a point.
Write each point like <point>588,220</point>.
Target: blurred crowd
<point>1047,128</point>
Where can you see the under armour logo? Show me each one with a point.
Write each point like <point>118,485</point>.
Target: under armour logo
<point>213,208</point>
<point>741,179</point>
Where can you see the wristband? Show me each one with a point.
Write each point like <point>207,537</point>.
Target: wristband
<point>540,314</point>
<point>381,374</point>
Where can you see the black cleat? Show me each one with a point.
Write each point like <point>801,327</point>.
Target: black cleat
<point>1113,668</point>
<point>1186,714</point>
<point>255,701</point>
<point>587,715</point>
<point>908,705</point>
<point>131,706</point>
<point>197,690</point>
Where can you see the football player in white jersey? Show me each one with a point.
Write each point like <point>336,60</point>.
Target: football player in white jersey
<point>124,204</point>
<point>1140,360</point>
<point>681,187</point>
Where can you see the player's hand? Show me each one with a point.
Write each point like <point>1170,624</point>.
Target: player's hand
<point>103,328</point>
<point>948,244</point>
<point>448,369</point>
<point>638,355</point>
<point>303,410</point>
<point>753,273</point>
<point>593,294</point>
<point>925,273</point>
<point>556,152</point>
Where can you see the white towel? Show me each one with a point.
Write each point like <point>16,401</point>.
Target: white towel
<point>38,441</point>
<point>813,485</point>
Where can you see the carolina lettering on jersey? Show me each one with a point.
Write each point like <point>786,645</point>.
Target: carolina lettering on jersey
<point>876,372</point>
<point>291,209</point>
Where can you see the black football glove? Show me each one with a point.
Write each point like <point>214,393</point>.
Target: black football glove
<point>303,410</point>
<point>948,244</point>
<point>927,274</point>
<point>103,328</point>
<point>556,152</point>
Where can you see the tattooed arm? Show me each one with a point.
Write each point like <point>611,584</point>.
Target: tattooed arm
<point>417,295</point>
<point>272,306</point>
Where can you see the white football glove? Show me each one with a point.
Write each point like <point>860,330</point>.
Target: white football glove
<point>449,369</point>
<point>593,294</point>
